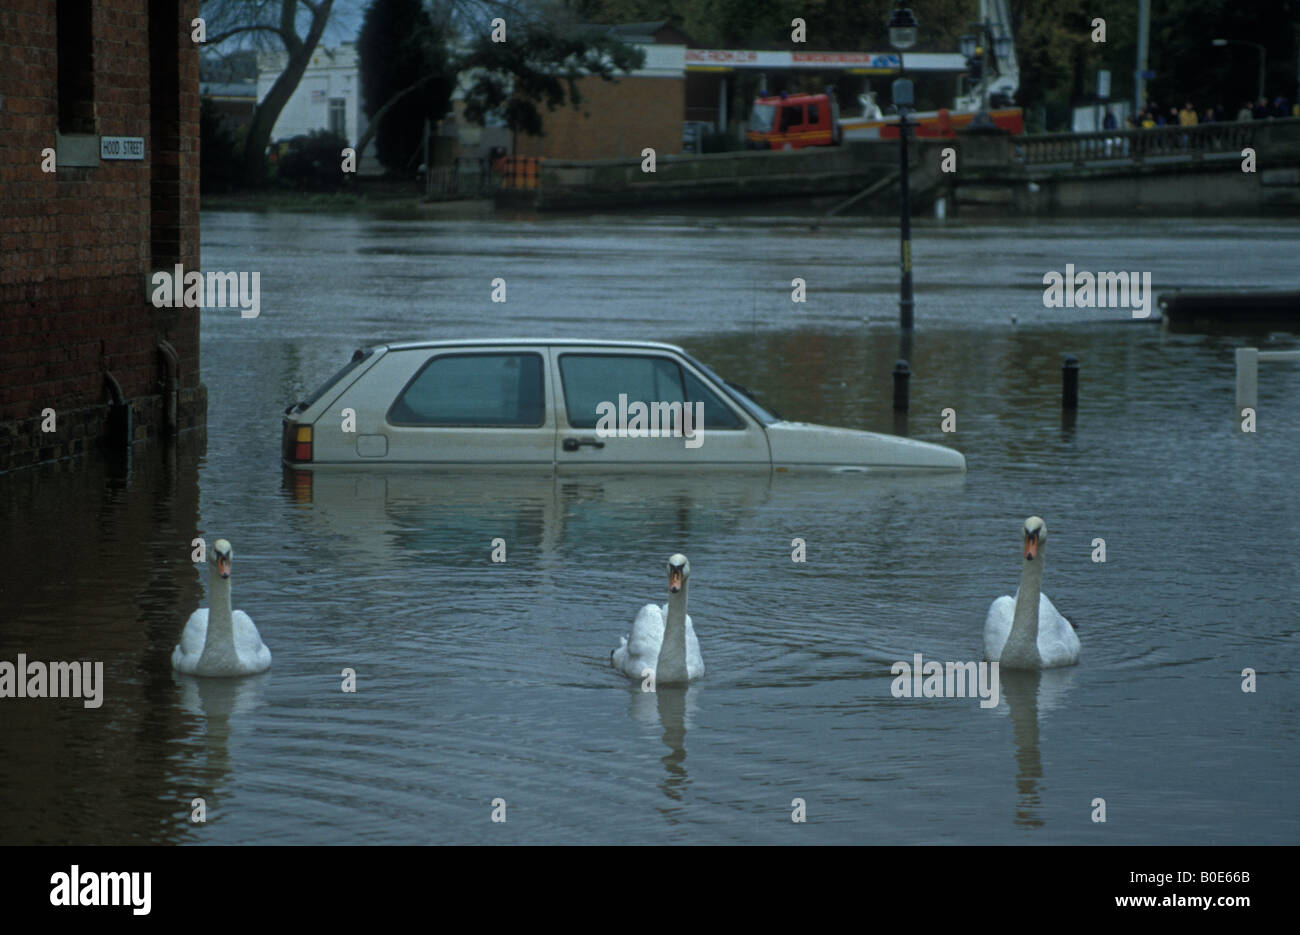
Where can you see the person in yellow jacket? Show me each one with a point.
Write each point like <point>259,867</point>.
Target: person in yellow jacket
<point>1187,116</point>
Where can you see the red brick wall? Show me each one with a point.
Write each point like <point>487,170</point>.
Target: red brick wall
<point>76,245</point>
<point>616,119</point>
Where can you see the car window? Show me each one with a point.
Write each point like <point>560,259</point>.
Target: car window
<point>474,390</point>
<point>592,379</point>
<point>812,113</point>
<point>791,116</point>
<point>717,415</point>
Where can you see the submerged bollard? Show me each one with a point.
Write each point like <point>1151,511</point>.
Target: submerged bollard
<point>1247,378</point>
<point>1070,382</point>
<point>901,376</point>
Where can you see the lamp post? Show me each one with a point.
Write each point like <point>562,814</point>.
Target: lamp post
<point>1262,58</point>
<point>902,36</point>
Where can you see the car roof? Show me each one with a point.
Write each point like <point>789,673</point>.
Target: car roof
<point>498,342</point>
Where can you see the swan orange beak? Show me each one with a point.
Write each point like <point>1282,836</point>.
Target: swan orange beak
<point>674,580</point>
<point>1031,546</point>
<point>223,566</point>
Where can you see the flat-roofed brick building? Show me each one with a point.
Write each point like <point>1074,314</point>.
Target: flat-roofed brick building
<point>619,118</point>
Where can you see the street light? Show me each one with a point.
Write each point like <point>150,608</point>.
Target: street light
<point>902,36</point>
<point>902,28</point>
<point>1262,58</point>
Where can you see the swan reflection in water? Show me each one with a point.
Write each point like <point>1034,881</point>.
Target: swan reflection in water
<point>1027,697</point>
<point>670,708</point>
<point>205,742</point>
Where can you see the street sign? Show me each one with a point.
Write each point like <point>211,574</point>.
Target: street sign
<point>903,93</point>
<point>1148,75</point>
<point>121,147</point>
<point>1103,84</point>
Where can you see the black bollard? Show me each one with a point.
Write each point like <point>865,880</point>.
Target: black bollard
<point>1070,382</point>
<point>901,376</point>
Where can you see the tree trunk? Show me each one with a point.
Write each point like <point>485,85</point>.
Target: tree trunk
<point>373,126</point>
<point>268,111</point>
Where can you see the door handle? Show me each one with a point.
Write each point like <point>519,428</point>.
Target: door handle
<point>573,444</point>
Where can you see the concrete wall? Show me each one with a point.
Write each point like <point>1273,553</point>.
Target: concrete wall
<point>990,180</point>
<point>77,244</point>
<point>821,170</point>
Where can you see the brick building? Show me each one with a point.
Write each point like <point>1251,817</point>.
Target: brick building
<point>78,333</point>
<point>617,119</point>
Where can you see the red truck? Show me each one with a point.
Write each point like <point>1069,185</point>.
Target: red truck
<point>799,120</point>
<point>793,122</point>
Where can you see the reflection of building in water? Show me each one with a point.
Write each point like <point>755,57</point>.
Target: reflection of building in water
<point>103,555</point>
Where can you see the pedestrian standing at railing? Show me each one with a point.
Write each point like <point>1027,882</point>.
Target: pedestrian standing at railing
<point>1186,118</point>
<point>1109,122</point>
<point>1244,114</point>
<point>1261,109</point>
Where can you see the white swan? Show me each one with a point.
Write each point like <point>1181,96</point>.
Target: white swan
<point>219,642</point>
<point>663,639</point>
<point>1027,632</point>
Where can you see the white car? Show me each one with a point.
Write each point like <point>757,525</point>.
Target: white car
<point>567,405</point>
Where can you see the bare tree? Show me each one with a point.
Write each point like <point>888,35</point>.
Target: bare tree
<point>278,21</point>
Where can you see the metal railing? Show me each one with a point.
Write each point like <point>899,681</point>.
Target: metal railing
<point>1180,143</point>
<point>482,177</point>
<point>465,178</point>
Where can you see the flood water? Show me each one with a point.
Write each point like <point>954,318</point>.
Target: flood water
<point>479,681</point>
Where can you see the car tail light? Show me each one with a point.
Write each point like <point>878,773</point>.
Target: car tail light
<point>302,446</point>
<point>297,441</point>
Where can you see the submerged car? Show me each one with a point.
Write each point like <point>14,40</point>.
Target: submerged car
<point>567,404</point>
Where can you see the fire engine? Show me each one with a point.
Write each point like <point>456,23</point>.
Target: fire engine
<point>793,122</point>
<point>799,120</point>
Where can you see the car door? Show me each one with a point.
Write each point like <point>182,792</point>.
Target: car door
<point>464,405</point>
<point>629,407</point>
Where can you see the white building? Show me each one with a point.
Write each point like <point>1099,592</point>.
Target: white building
<point>327,98</point>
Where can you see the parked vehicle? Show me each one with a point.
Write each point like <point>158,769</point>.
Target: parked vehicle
<point>991,82</point>
<point>802,120</point>
<point>931,124</point>
<point>567,405</point>
<point>793,122</point>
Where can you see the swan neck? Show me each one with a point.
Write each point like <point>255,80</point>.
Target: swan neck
<point>220,624</point>
<point>1025,623</point>
<point>676,623</point>
<point>672,652</point>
